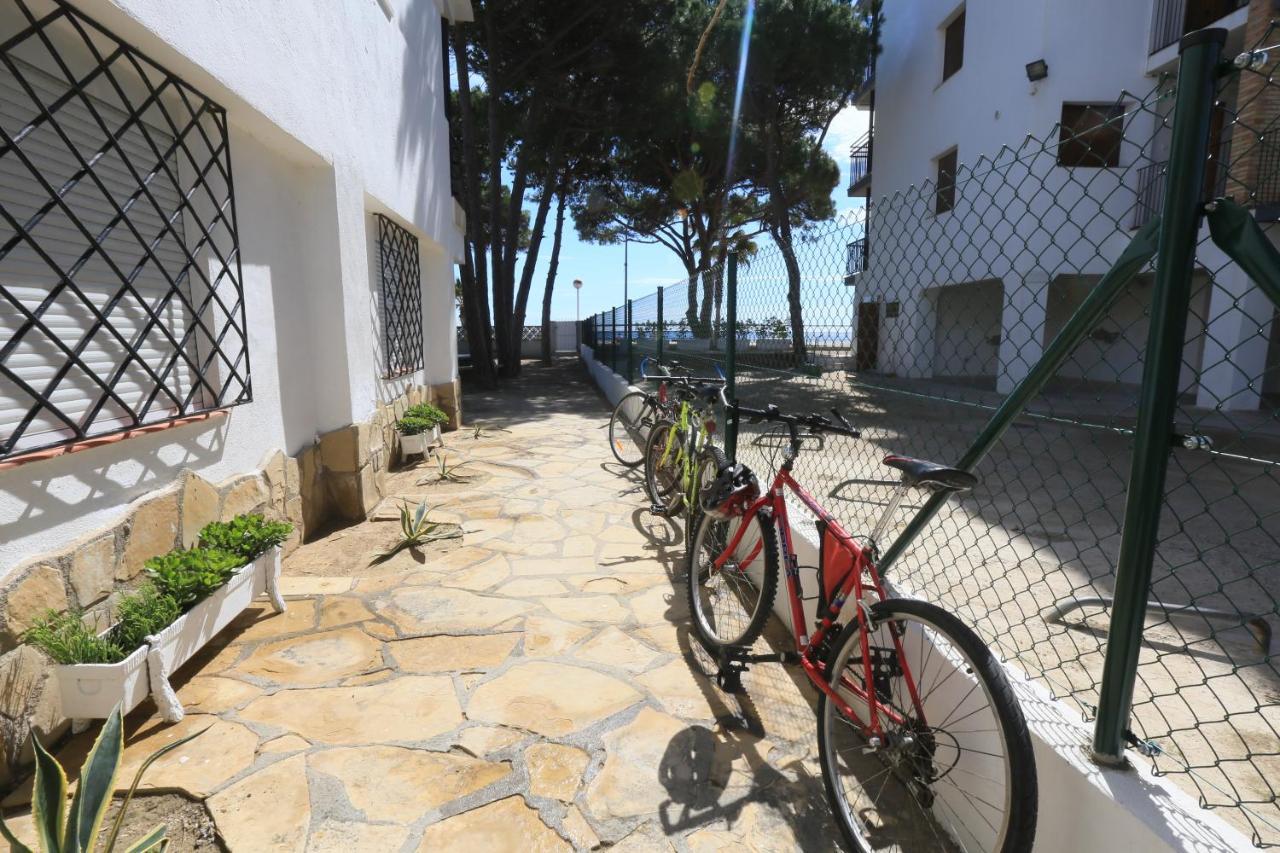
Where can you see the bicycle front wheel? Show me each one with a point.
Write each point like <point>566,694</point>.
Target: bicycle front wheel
<point>954,772</point>
<point>662,474</point>
<point>730,603</point>
<point>629,427</point>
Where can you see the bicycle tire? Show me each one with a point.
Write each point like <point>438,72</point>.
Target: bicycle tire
<point>768,589</point>
<point>1017,829</point>
<point>713,459</point>
<point>624,438</point>
<point>662,487</point>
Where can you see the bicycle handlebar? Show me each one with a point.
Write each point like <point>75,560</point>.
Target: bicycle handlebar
<point>815,423</point>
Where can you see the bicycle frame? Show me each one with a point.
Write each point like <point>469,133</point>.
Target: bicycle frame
<point>686,451</point>
<point>863,577</point>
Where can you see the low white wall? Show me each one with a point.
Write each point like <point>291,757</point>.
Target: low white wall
<point>1083,806</point>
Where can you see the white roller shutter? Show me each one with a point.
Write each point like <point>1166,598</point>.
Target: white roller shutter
<point>37,358</point>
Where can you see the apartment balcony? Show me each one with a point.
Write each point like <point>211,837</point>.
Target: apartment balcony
<point>860,165</point>
<point>856,260</point>
<point>865,98</point>
<point>1171,19</point>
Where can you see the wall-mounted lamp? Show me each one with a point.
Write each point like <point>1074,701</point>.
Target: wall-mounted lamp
<point>1037,70</point>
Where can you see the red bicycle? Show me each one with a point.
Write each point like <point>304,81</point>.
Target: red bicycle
<point>921,741</point>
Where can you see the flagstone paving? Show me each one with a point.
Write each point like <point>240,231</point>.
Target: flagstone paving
<point>530,688</point>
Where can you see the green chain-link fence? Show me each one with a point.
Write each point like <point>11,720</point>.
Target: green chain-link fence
<point>918,314</point>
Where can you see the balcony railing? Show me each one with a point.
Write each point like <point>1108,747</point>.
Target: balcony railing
<point>856,261</point>
<point>1171,19</point>
<point>860,163</point>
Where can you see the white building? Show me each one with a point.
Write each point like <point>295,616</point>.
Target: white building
<point>1005,253</point>
<point>227,240</point>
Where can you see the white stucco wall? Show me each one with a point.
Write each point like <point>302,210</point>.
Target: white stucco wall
<point>336,112</point>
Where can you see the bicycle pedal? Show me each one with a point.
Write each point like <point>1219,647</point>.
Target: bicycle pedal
<point>659,509</point>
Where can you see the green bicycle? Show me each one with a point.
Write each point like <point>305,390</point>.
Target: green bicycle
<point>679,455</point>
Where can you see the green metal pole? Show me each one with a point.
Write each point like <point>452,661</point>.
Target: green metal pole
<point>1141,249</point>
<point>630,344</point>
<point>1240,236</point>
<point>613,339</point>
<point>731,357</point>
<point>659,325</point>
<point>1158,397</point>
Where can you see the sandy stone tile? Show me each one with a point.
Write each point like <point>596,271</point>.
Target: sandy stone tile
<point>660,604</point>
<point>618,583</point>
<point>758,829</point>
<point>200,766</point>
<point>211,694</point>
<point>334,836</point>
<point>507,826</point>
<point>283,744</point>
<point>591,608</point>
<point>451,654</point>
<point>646,838</point>
<point>482,740</point>
<point>627,785</point>
<point>375,677</point>
<point>679,690</point>
<point>524,549</point>
<point>480,576</point>
<point>342,610</point>
<point>314,659</point>
<point>426,609</point>
<point>405,709</point>
<point>260,622</point>
<point>585,521</point>
<point>245,824</point>
<point>553,566</point>
<point>537,528</point>
<point>304,587</point>
<point>544,637</point>
<point>579,546</point>
<point>549,698</point>
<point>580,832</point>
<point>555,770</point>
<point>613,648</point>
<point>389,783</point>
<point>531,588</point>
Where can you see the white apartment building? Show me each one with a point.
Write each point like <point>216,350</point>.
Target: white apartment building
<point>227,238</point>
<point>954,83</point>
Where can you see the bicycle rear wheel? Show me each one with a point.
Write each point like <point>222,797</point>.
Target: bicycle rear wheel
<point>661,473</point>
<point>629,427</point>
<point>960,777</point>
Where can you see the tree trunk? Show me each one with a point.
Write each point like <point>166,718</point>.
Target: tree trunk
<point>780,230</point>
<point>526,275</point>
<point>548,345</point>
<point>475,285</point>
<point>501,300</point>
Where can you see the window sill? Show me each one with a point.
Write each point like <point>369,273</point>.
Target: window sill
<point>110,438</point>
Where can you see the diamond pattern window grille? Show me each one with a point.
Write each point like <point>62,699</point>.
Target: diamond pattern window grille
<point>401,298</point>
<point>121,298</point>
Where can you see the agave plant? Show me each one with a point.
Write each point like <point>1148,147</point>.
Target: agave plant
<point>416,529</point>
<point>74,829</point>
<point>446,473</point>
<point>485,429</point>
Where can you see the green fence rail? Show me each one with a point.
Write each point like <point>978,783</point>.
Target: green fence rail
<point>1060,319</point>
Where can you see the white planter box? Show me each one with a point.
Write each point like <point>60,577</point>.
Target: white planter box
<point>92,690</point>
<point>419,444</point>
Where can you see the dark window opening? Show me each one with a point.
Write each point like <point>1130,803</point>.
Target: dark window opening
<point>401,296</point>
<point>953,46</point>
<point>1090,135</point>
<point>946,195</point>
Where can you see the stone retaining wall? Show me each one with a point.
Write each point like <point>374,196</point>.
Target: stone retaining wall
<point>339,478</point>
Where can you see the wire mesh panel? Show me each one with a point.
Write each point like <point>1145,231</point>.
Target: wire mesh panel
<point>120,289</point>
<point>401,297</point>
<point>917,324</point>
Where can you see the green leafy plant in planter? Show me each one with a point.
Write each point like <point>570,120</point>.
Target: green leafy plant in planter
<point>74,829</point>
<point>248,536</point>
<point>188,576</point>
<point>143,613</point>
<point>68,639</point>
<point>416,529</point>
<point>421,418</point>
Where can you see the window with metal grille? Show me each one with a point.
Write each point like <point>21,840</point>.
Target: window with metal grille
<point>401,297</point>
<point>953,46</point>
<point>1090,135</point>
<point>121,302</point>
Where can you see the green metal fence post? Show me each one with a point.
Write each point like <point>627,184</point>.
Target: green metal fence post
<point>659,325</point>
<point>1157,399</point>
<point>731,356</point>
<point>613,339</point>
<point>630,342</point>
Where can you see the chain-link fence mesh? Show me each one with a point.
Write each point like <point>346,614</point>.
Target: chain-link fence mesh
<point>916,314</point>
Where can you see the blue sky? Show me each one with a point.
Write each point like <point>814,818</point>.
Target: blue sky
<point>600,267</point>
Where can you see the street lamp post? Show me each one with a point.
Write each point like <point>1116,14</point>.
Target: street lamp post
<point>577,313</point>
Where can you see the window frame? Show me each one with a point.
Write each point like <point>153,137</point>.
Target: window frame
<point>400,298</point>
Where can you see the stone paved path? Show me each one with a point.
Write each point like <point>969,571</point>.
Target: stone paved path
<point>530,690</point>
